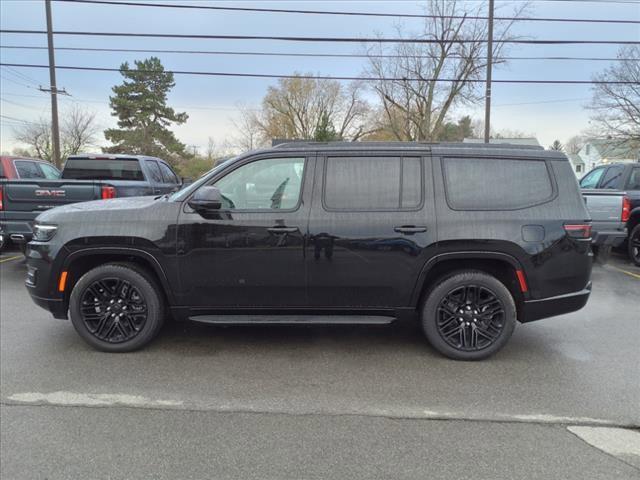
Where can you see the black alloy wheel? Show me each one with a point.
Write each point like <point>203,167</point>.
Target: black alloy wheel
<point>468,315</point>
<point>117,307</point>
<point>113,310</point>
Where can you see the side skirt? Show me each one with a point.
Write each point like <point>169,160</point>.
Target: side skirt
<point>294,319</point>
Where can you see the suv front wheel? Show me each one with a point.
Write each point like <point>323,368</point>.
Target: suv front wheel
<point>116,308</point>
<point>469,315</point>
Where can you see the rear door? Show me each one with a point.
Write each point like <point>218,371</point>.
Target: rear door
<point>371,225</point>
<point>154,175</point>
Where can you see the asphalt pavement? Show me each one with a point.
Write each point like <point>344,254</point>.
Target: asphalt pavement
<point>322,402</point>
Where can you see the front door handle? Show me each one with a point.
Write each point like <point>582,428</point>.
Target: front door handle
<point>282,229</point>
<point>409,229</point>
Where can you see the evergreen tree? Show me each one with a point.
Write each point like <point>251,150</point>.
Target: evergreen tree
<point>325,131</point>
<point>556,145</point>
<point>140,103</point>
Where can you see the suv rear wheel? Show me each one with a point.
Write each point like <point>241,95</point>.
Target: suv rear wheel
<point>634,245</point>
<point>116,308</point>
<point>469,315</point>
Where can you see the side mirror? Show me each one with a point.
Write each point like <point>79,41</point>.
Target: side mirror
<point>206,199</point>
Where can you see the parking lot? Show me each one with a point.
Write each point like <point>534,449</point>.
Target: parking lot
<point>320,402</point>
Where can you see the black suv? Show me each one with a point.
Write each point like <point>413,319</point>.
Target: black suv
<point>469,237</point>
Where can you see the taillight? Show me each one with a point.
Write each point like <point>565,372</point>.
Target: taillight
<point>1,204</point>
<point>581,230</point>
<point>626,209</point>
<point>108,192</point>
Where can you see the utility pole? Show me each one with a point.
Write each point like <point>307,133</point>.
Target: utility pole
<point>55,130</point>
<point>487,95</point>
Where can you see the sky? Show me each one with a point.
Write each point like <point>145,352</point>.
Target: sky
<point>548,112</point>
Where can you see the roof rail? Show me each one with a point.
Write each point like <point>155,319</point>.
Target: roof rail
<point>292,144</point>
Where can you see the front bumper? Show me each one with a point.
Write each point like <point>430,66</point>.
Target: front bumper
<point>41,283</point>
<point>553,306</point>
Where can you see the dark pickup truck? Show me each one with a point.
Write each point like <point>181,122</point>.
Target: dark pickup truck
<point>84,178</point>
<point>621,177</point>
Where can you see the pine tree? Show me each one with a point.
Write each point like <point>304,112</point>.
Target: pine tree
<point>325,131</point>
<point>140,103</point>
<point>556,145</point>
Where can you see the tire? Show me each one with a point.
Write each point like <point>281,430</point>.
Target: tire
<point>108,315</point>
<point>602,254</point>
<point>634,245</point>
<point>451,324</point>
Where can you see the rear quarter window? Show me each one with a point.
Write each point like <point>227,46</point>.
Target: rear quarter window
<point>496,184</point>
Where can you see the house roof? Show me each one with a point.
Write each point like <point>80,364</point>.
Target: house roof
<point>616,150</point>
<point>511,141</point>
<point>575,159</point>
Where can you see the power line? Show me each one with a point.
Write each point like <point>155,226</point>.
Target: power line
<point>324,39</point>
<point>324,77</point>
<point>291,54</point>
<point>346,13</point>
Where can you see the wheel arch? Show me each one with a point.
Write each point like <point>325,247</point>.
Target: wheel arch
<point>81,261</point>
<point>500,265</point>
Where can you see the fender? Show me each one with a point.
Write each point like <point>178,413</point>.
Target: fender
<point>130,251</point>
<point>471,254</point>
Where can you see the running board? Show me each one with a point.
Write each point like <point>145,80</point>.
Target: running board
<point>293,319</point>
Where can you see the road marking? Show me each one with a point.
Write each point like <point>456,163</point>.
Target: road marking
<point>634,275</point>
<point>91,399</point>
<point>620,442</point>
<point>11,258</point>
<point>75,399</point>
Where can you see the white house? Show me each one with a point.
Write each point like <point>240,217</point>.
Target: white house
<point>598,152</point>
<point>577,163</point>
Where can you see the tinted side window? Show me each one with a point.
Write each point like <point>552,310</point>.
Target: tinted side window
<point>634,179</point>
<point>590,180</point>
<point>373,183</point>
<point>269,184</point>
<point>167,174</point>
<point>612,178</point>
<point>492,184</point>
<point>154,170</point>
<point>28,169</point>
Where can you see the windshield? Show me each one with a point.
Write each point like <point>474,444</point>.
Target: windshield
<point>185,192</point>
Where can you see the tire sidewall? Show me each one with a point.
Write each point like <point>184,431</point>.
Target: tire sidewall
<point>147,289</point>
<point>429,317</point>
<point>634,233</point>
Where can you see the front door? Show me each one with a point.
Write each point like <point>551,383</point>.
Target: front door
<point>251,253</point>
<point>372,228</point>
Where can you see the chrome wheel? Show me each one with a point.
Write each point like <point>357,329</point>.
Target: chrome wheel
<point>470,317</point>
<point>113,310</point>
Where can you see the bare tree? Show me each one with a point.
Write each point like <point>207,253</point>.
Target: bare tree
<point>248,136</point>
<point>78,132</point>
<point>616,107</point>
<point>575,144</point>
<point>298,107</point>
<point>414,95</point>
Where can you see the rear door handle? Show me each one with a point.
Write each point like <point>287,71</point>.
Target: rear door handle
<point>409,229</point>
<point>282,229</point>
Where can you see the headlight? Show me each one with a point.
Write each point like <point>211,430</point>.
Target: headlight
<point>44,233</point>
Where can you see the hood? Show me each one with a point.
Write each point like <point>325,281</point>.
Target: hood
<point>113,205</point>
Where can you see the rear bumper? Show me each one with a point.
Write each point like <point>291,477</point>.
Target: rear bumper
<point>607,234</point>
<point>552,306</point>
<point>17,231</point>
